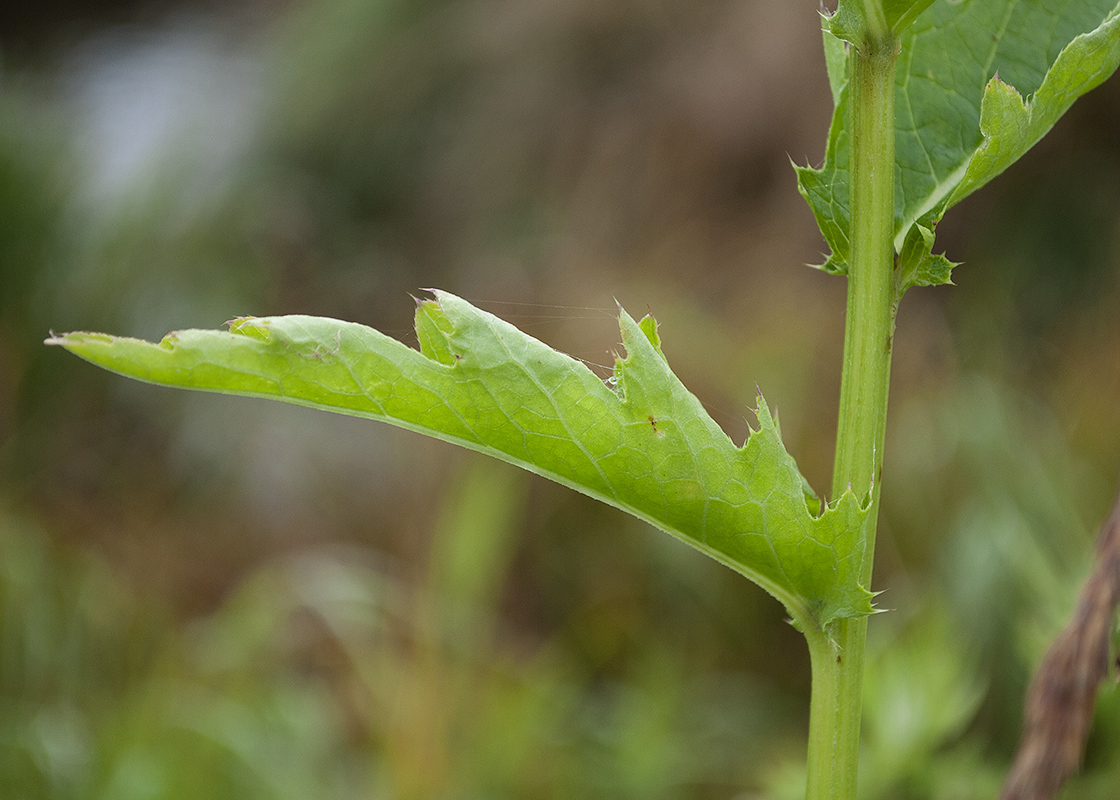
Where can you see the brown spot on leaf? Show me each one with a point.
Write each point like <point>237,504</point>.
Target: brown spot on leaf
<point>1060,701</point>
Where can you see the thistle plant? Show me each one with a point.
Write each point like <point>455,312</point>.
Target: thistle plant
<point>933,99</point>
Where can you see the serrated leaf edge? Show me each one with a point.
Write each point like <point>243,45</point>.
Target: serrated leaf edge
<point>636,337</point>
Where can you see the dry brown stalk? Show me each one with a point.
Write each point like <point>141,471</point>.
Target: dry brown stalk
<point>1060,701</point>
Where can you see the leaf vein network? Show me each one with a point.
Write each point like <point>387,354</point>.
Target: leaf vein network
<point>559,415</point>
<point>997,37</point>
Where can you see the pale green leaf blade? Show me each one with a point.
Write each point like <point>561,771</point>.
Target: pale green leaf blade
<point>836,63</point>
<point>957,127</point>
<point>641,442</point>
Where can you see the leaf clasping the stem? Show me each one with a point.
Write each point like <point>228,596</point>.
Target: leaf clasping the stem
<point>644,444</point>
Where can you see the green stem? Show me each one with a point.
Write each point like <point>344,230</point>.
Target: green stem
<point>837,655</point>
<point>875,20</point>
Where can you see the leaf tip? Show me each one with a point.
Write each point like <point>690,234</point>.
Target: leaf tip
<point>74,338</point>
<point>169,341</point>
<point>761,410</point>
<point>876,609</point>
<point>831,266</point>
<point>648,326</point>
<point>440,297</point>
<point>253,327</point>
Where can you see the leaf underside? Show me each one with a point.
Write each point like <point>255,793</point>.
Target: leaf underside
<point>639,441</point>
<point>979,82</point>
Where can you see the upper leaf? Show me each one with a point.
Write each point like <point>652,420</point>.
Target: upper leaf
<point>978,83</point>
<point>639,441</point>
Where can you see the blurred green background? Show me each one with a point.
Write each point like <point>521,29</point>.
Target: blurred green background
<point>210,597</point>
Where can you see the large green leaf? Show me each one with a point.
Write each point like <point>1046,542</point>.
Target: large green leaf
<point>639,441</point>
<point>979,82</point>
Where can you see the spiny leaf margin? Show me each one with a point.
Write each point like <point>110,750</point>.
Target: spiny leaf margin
<point>639,441</point>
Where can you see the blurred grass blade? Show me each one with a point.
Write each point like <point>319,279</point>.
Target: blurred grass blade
<point>639,441</point>
<point>475,540</point>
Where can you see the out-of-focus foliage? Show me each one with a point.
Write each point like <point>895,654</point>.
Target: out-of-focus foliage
<point>203,597</point>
